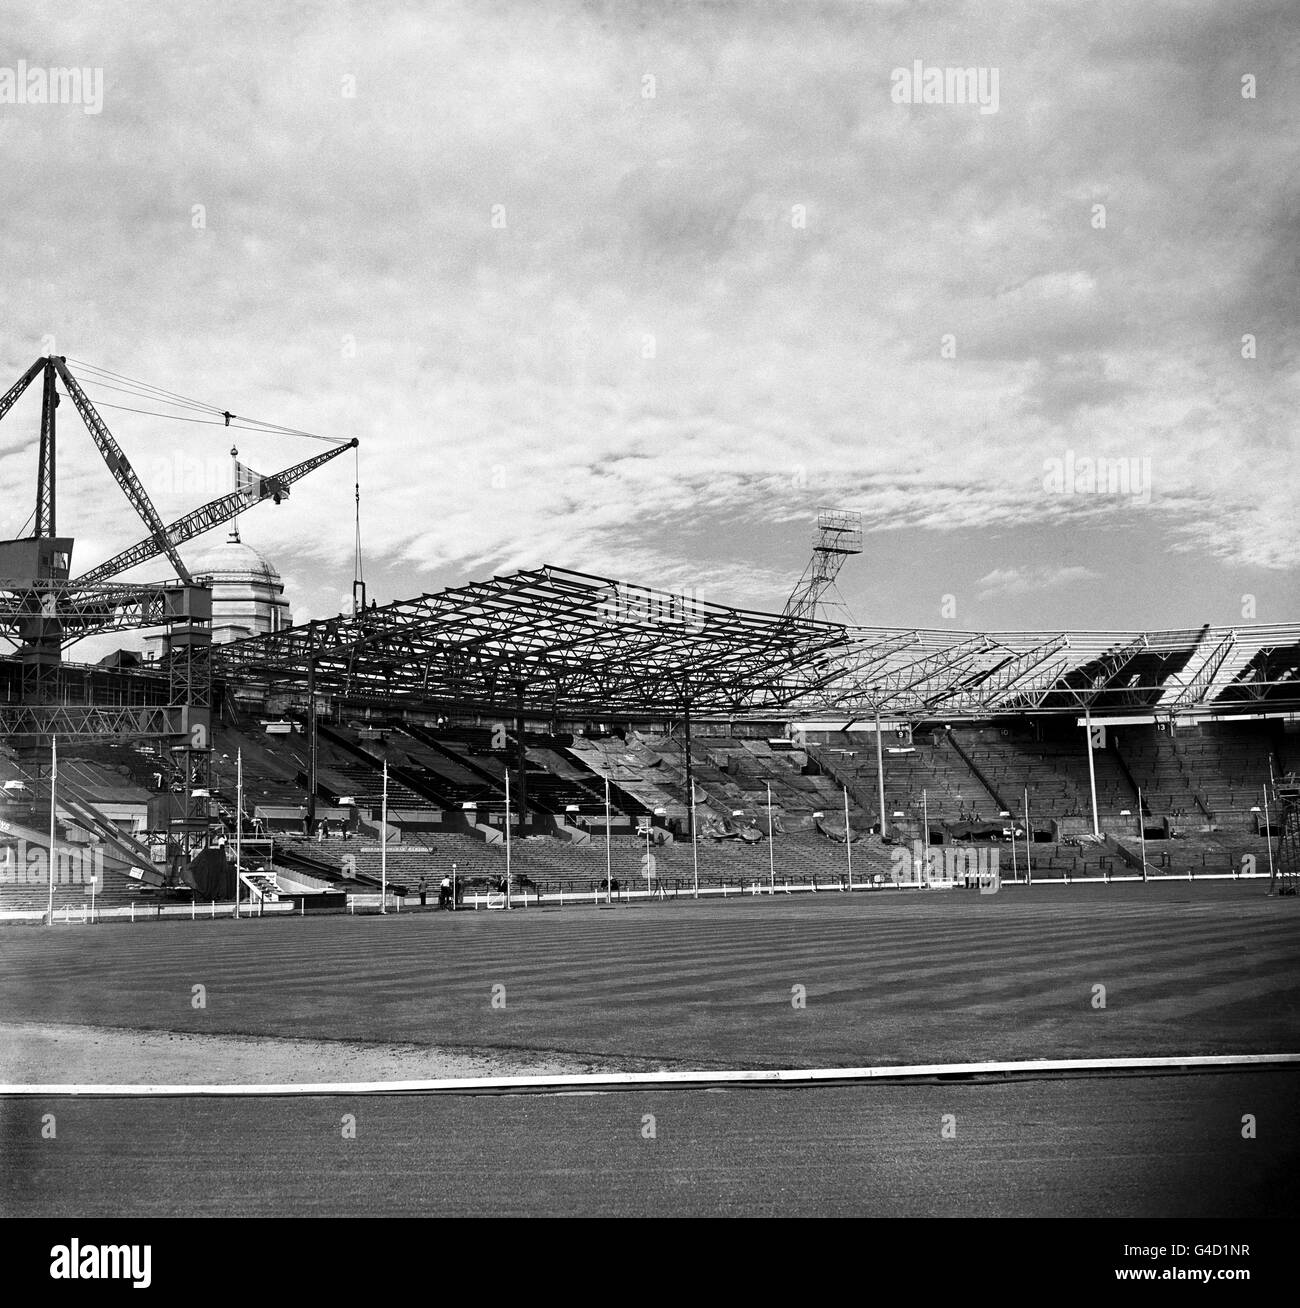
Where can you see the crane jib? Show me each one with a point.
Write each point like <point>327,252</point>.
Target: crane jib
<point>274,486</point>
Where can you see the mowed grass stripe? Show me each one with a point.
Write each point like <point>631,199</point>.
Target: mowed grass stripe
<point>573,965</point>
<point>924,981</point>
<point>1004,957</point>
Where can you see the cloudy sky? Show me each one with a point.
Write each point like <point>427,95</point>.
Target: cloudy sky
<point>636,288</point>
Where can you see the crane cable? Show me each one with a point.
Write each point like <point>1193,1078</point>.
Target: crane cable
<point>142,387</point>
<point>22,531</point>
<point>358,574</point>
<point>269,429</point>
<point>114,381</point>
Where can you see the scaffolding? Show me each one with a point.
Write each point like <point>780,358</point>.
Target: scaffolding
<point>1286,867</point>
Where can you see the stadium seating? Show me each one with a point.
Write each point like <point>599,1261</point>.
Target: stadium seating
<point>1169,786</point>
<point>1205,781</point>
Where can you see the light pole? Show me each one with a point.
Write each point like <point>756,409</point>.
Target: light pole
<point>848,835</point>
<point>771,853</point>
<point>507,837</point>
<point>467,806</point>
<point>383,846</point>
<point>1254,808</point>
<point>609,853</point>
<point>1125,813</point>
<point>1092,772</point>
<point>1142,834</point>
<point>1268,835</point>
<point>695,849</point>
<point>54,780</point>
<point>922,875</point>
<point>1029,840</point>
<point>239,820</point>
<point>880,781</point>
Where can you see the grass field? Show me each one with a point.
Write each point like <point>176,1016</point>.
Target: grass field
<point>889,978</point>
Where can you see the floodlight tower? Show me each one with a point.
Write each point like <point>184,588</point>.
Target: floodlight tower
<point>839,534</point>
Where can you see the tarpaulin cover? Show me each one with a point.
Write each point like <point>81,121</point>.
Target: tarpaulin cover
<point>211,875</point>
<point>977,830</point>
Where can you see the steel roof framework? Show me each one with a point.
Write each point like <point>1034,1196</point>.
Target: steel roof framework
<point>72,610</point>
<point>565,642</point>
<point>929,673</point>
<point>569,643</point>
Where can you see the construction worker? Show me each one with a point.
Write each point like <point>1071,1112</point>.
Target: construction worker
<point>444,892</point>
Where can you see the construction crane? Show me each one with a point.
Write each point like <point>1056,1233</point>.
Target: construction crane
<point>213,514</point>
<point>83,608</point>
<point>42,610</point>
<point>118,464</point>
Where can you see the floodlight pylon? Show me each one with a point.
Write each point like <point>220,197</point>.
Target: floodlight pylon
<point>838,535</point>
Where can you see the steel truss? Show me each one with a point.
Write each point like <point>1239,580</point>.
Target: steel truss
<point>1286,875</point>
<point>89,722</point>
<point>69,611</point>
<point>921,674</point>
<point>569,642</point>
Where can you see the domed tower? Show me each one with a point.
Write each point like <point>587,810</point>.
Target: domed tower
<point>247,593</point>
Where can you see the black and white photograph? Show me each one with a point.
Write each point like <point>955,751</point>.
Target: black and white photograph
<point>649,609</point>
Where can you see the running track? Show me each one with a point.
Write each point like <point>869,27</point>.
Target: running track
<point>1151,1146</point>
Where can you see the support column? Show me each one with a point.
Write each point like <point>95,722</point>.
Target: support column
<point>1092,773</point>
<point>45,476</point>
<point>188,646</point>
<point>522,756</point>
<point>880,777</point>
<point>690,770</point>
<point>311,746</point>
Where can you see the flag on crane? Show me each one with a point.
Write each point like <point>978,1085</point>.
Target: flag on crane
<point>254,487</point>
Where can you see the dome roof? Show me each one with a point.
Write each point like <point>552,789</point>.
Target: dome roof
<point>234,560</point>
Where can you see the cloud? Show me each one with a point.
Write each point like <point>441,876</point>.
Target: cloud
<point>643,335</point>
<point>1031,580</point>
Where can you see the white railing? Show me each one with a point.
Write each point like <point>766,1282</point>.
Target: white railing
<point>66,915</point>
<point>495,899</point>
<point>373,899</point>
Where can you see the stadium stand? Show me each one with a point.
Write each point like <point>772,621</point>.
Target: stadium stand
<point>1199,787</point>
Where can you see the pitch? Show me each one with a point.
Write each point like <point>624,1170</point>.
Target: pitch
<point>835,980</point>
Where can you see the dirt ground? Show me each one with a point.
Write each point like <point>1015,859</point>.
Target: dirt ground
<point>47,1054</point>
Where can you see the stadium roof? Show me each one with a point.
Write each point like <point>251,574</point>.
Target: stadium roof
<point>1207,671</point>
<point>564,642</point>
<point>568,643</point>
